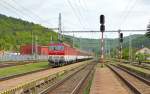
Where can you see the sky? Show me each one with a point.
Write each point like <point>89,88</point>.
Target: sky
<point>82,14</point>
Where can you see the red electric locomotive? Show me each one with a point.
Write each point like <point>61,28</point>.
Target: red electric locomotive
<point>61,54</point>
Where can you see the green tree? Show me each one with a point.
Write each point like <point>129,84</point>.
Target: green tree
<point>2,44</point>
<point>140,57</point>
<point>16,32</point>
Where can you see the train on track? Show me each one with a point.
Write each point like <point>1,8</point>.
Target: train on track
<point>62,54</point>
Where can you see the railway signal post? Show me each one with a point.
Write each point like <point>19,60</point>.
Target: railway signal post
<point>102,29</point>
<point>120,42</point>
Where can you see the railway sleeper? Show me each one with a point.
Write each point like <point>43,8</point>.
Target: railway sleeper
<point>134,74</point>
<point>39,85</point>
<point>135,90</point>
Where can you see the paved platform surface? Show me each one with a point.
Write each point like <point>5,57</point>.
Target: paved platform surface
<point>105,82</point>
<point>7,84</point>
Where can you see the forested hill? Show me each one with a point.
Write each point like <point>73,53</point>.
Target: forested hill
<point>15,32</point>
<point>138,41</point>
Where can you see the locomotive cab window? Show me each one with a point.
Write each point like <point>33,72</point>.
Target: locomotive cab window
<point>60,47</point>
<point>56,47</point>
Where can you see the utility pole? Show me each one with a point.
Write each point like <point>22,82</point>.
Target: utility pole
<point>73,41</point>
<point>36,48</point>
<point>51,39</point>
<point>130,48</point>
<point>80,43</point>
<point>59,29</point>
<point>121,49</point>
<point>32,42</point>
<point>109,49</point>
<point>105,44</point>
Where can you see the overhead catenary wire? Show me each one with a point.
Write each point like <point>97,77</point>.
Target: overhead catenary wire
<point>17,12</point>
<point>79,13</point>
<point>85,4</point>
<point>124,12</point>
<point>21,13</point>
<point>75,13</point>
<point>4,5</point>
<point>30,12</point>
<point>27,11</point>
<point>83,10</point>
<point>128,12</point>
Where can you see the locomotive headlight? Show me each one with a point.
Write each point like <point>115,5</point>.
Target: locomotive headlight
<point>61,57</point>
<point>50,57</point>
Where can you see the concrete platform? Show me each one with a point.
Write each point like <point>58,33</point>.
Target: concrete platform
<point>105,82</point>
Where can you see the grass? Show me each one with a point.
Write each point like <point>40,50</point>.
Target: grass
<point>140,71</point>
<point>87,89</point>
<point>147,61</point>
<point>137,68</point>
<point>8,71</point>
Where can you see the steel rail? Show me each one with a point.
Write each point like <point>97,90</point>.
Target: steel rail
<point>135,75</point>
<point>135,90</point>
<point>142,66</point>
<point>45,91</point>
<point>61,82</point>
<point>129,84</point>
<point>77,88</point>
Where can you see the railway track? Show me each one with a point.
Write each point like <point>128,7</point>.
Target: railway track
<point>145,66</point>
<point>22,74</point>
<point>10,64</point>
<point>71,84</point>
<point>137,84</point>
<point>37,82</point>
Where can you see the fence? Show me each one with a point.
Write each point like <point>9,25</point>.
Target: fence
<point>23,57</point>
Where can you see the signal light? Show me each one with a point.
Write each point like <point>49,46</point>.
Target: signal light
<point>121,37</point>
<point>102,19</point>
<point>102,28</point>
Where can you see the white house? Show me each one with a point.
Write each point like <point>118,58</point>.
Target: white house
<point>144,51</point>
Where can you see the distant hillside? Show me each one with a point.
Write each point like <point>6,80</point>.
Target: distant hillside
<point>138,41</point>
<point>15,32</point>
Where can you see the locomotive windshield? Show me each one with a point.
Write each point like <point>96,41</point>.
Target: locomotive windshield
<point>56,48</point>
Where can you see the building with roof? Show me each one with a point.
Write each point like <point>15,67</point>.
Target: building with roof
<point>143,51</point>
